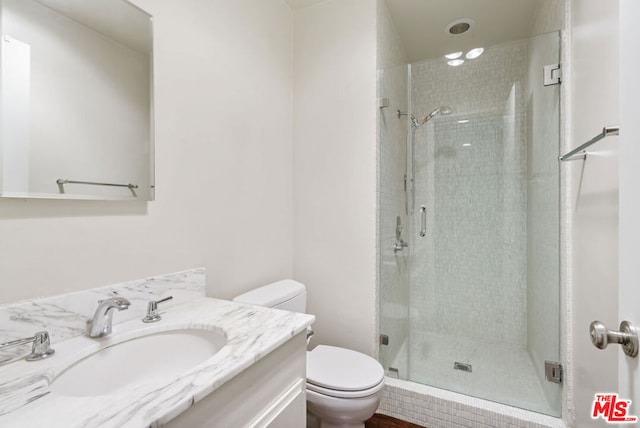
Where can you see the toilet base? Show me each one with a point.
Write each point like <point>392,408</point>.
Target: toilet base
<point>348,425</point>
<point>313,421</point>
<point>338,412</point>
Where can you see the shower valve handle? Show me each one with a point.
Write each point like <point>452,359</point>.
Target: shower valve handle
<point>399,246</point>
<point>601,336</point>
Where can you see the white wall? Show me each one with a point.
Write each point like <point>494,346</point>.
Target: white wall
<point>629,300</point>
<point>334,132</point>
<point>223,76</point>
<point>223,167</point>
<point>593,187</point>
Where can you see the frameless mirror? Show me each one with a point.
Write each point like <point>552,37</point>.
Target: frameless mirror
<point>77,100</point>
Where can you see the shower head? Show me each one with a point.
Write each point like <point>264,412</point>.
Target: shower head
<point>443,110</point>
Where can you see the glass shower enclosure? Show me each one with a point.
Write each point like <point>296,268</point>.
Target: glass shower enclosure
<point>469,224</point>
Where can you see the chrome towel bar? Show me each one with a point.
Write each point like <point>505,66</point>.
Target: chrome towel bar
<point>60,181</point>
<point>579,153</point>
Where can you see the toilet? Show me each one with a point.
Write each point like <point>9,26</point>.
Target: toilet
<point>343,386</point>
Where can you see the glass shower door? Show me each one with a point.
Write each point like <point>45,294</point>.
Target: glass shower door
<point>483,284</point>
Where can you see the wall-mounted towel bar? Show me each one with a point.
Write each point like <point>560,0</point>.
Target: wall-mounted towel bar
<point>60,181</point>
<point>579,153</point>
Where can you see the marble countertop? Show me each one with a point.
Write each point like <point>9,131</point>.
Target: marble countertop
<point>252,332</point>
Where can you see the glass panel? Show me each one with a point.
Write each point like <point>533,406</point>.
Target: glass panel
<point>543,216</point>
<point>393,220</point>
<point>484,280</point>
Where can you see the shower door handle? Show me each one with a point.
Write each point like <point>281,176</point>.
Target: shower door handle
<point>423,221</point>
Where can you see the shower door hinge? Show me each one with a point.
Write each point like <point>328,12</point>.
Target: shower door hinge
<point>552,74</point>
<point>384,339</point>
<point>553,371</point>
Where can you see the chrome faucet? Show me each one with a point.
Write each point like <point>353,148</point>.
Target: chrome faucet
<point>101,325</point>
<point>40,348</point>
<point>152,310</point>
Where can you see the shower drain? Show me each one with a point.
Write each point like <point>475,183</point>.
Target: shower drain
<point>462,366</point>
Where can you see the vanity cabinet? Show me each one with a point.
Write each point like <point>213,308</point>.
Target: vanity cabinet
<point>270,393</point>
<point>257,379</point>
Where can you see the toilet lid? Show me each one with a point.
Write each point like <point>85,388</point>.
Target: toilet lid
<point>342,369</point>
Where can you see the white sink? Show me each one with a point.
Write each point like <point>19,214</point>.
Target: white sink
<point>152,357</point>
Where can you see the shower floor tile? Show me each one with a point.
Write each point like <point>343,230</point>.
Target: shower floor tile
<point>499,373</point>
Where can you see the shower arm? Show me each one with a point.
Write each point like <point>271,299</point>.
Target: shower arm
<point>414,122</point>
<point>400,114</point>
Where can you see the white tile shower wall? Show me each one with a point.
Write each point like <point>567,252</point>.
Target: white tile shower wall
<point>437,408</point>
<point>390,50</point>
<point>469,272</point>
<point>393,275</point>
<point>549,16</point>
<point>66,315</point>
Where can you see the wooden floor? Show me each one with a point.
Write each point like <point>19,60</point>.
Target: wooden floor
<point>384,421</point>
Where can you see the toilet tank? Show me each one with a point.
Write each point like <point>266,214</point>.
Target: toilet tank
<point>288,295</point>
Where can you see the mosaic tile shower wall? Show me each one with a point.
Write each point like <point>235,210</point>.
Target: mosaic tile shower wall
<point>469,273</point>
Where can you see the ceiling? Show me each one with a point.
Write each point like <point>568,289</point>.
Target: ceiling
<point>421,23</point>
<point>118,20</point>
<point>301,4</point>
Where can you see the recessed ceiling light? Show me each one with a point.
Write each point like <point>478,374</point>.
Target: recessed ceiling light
<point>459,26</point>
<point>463,121</point>
<point>455,62</point>
<point>453,55</point>
<point>466,145</point>
<point>474,53</point>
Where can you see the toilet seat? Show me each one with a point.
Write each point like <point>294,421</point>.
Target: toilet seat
<point>343,373</point>
<point>344,394</point>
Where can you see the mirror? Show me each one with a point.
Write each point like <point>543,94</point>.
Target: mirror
<point>77,100</point>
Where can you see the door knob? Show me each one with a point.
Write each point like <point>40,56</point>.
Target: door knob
<point>601,336</point>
